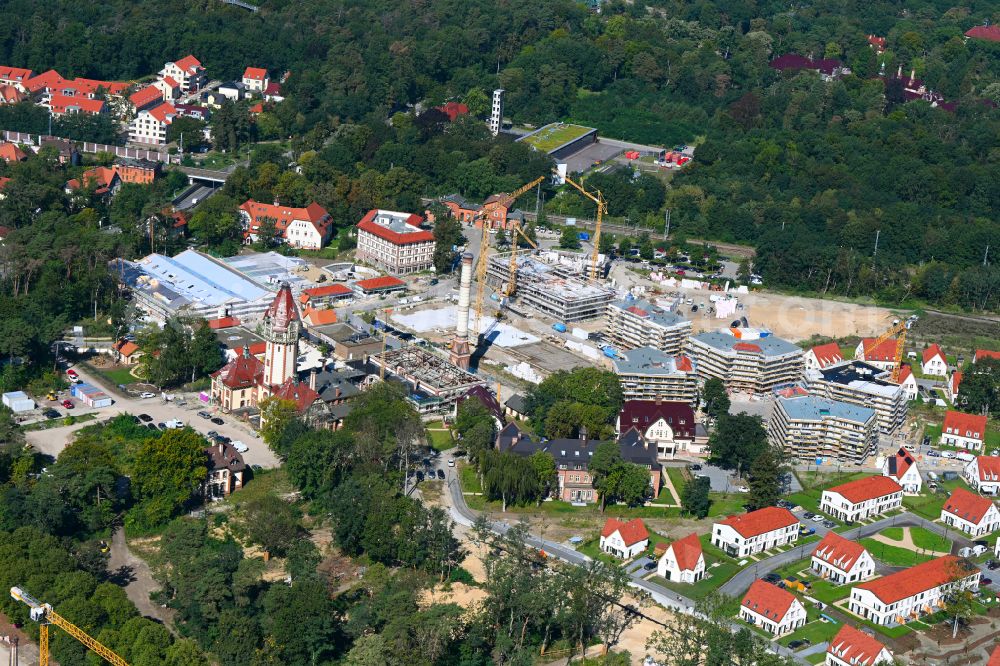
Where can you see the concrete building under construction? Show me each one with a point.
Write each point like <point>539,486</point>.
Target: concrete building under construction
<point>434,384</point>
<point>554,289</point>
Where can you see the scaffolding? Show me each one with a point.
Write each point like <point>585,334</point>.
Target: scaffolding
<point>551,288</point>
<point>433,381</point>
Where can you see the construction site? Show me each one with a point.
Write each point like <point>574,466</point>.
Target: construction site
<point>554,288</point>
<point>433,381</point>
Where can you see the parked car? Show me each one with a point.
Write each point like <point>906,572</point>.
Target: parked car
<point>649,566</point>
<point>982,542</point>
<point>50,414</point>
<point>451,462</point>
<point>145,418</point>
<point>806,531</point>
<point>983,582</point>
<point>993,565</point>
<point>808,515</point>
<point>151,426</point>
<point>217,421</point>
<point>829,523</point>
<point>979,550</point>
<point>147,394</point>
<point>696,466</point>
<point>67,404</point>
<point>204,415</point>
<point>949,476</point>
<point>440,474</point>
<point>174,424</point>
<point>240,446</point>
<point>818,518</point>
<point>72,373</point>
<point>161,426</point>
<point>772,578</point>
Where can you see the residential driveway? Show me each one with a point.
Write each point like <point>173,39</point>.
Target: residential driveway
<point>54,440</point>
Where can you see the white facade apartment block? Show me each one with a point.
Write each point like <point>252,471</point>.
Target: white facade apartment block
<point>751,365</point>
<point>633,324</point>
<point>807,428</point>
<point>862,384</point>
<point>146,128</point>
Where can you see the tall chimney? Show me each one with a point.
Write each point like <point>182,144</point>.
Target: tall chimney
<point>312,379</point>
<point>460,345</point>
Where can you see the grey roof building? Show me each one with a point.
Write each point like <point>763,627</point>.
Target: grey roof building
<point>809,428</point>
<point>647,373</point>
<point>750,360</point>
<point>636,323</point>
<point>865,385</point>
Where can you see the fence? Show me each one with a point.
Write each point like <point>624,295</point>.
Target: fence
<point>87,147</point>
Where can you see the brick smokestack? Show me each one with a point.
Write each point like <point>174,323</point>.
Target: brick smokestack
<point>460,345</point>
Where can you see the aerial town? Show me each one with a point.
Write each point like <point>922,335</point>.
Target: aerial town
<point>301,369</point>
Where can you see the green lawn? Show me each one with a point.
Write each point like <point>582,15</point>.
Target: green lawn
<point>441,439</point>
<point>817,658</point>
<point>554,135</point>
<point>726,504</point>
<point>469,478</point>
<point>924,538</point>
<point>678,478</point>
<point>118,375</point>
<point>894,533</point>
<point>816,631</point>
<point>827,592</point>
<point>928,506</point>
<point>714,578</point>
<point>893,555</point>
<point>807,499</point>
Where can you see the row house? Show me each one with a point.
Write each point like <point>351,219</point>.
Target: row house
<point>395,242</point>
<point>307,228</point>
<point>630,324</point>
<point>754,532</point>
<point>967,431</point>
<point>902,468</point>
<point>862,499</point>
<point>683,561</point>
<point>624,540</point>
<point>852,647</point>
<point>973,514</point>
<point>912,593</point>
<point>771,608</point>
<point>841,560</point>
<point>646,373</point>
<point>983,474</point>
<point>809,427</point>
<point>748,360</point>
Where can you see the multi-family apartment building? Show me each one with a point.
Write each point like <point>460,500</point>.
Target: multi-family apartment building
<point>862,384</point>
<point>808,427</point>
<point>862,498</point>
<point>746,360</point>
<point>973,514</point>
<point>395,242</point>
<point>633,323</point>
<point>150,125</point>
<point>187,72</point>
<point>841,560</point>
<point>749,533</point>
<point>646,373</point>
<point>912,593</point>
<point>308,228</point>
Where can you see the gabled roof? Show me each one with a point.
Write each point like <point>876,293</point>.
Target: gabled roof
<point>994,657</point>
<point>487,399</point>
<point>967,505</point>
<point>855,647</point>
<point>867,488</point>
<point>11,95</point>
<point>169,81</point>
<point>102,178</point>
<point>319,317</point>
<point>932,351</point>
<point>631,532</point>
<point>242,372</point>
<point>45,81</point>
<point>62,104</point>
<point>986,353</point>
<point>768,600</point>
<point>326,290</point>
<point>885,352</point>
<point>189,64</point>
<point>955,382</point>
<point>255,73</point>
<point>14,74</point>
<point>145,96</point>
<point>165,112</point>
<point>904,372</point>
<point>988,468</point>
<point>283,216</point>
<point>642,414</point>
<point>921,578</point>
<point>126,347</point>
<point>760,521</point>
<point>10,152</point>
<point>223,322</point>
<point>990,33</point>
<point>827,354</point>
<point>381,282</point>
<point>687,552</point>
<point>397,228</point>
<point>297,392</point>
<point>964,425</point>
<point>898,464</point>
<point>453,110</point>
<point>837,551</point>
<point>224,456</point>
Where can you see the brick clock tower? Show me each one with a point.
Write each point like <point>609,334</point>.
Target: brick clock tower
<point>280,329</point>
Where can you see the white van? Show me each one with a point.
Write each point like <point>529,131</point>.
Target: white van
<point>932,476</point>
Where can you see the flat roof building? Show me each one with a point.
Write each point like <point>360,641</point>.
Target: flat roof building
<point>747,360</point>
<point>808,428</point>
<point>434,383</point>
<point>554,289</point>
<point>647,373</point>
<point>862,384</point>
<point>633,323</point>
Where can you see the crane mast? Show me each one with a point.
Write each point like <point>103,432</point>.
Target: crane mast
<point>898,330</point>
<point>602,208</point>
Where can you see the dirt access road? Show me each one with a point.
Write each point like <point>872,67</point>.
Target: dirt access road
<point>134,575</point>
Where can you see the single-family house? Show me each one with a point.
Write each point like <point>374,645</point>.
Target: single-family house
<point>771,608</point>
<point>308,228</point>
<point>821,356</point>
<point>902,468</point>
<point>225,471</point>
<point>11,152</point>
<point>683,561</point>
<point>841,560</point>
<point>966,431</point>
<point>624,540</point>
<point>934,361</point>
<point>983,354</point>
<point>104,180</point>
<point>973,514</point>
<point>862,498</point>
<point>852,647</point>
<point>983,474</point>
<point>126,352</point>
<point>911,593</point>
<point>255,80</point>
<point>749,533</point>
<point>908,381</point>
<point>882,356</point>
<point>954,385</point>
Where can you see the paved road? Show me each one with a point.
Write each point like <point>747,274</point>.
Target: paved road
<point>54,440</point>
<point>194,197</point>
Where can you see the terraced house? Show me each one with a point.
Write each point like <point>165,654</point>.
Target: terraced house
<point>861,499</point>
<point>756,531</point>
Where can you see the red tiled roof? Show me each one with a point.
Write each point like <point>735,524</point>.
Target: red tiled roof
<point>453,110</point>
<point>368,224</point>
<point>164,112</point>
<point>827,354</point>
<point>988,468</point>
<point>283,216</point>
<point>994,657</point>
<point>258,348</point>
<point>255,73</point>
<point>273,88</point>
<point>257,108</point>
<point>297,392</point>
<point>147,95</point>
<point>867,488</point>
<point>687,552</point>
<point>11,95</point>
<point>327,290</point>
<point>60,104</point>
<point>14,74</point>
<point>932,351</point>
<point>242,372</point>
<point>45,81</point>
<point>746,346</point>
<point>126,347</point>
<point>10,152</point>
<point>320,317</point>
<point>223,322</point>
<point>904,459</point>
<point>768,600</point>
<point>642,414</point>
<point>855,647</point>
<point>967,505</point>
<point>884,352</point>
<point>986,353</point>
<point>382,282</point>
<point>904,372</point>
<point>988,32</point>
<point>837,551</point>
<point>964,425</point>
<point>189,64</point>
<point>760,521</point>
<point>631,532</point>
<point>876,41</point>
<point>921,578</point>
<point>90,86</point>
<point>101,177</point>
<point>956,382</point>
<point>169,80</point>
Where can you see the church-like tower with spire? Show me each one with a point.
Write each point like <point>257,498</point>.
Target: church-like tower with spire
<point>280,329</point>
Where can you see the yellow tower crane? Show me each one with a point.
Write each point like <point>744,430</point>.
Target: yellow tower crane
<point>45,615</point>
<point>515,231</point>
<point>898,331</point>
<point>602,208</point>
<point>482,263</point>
